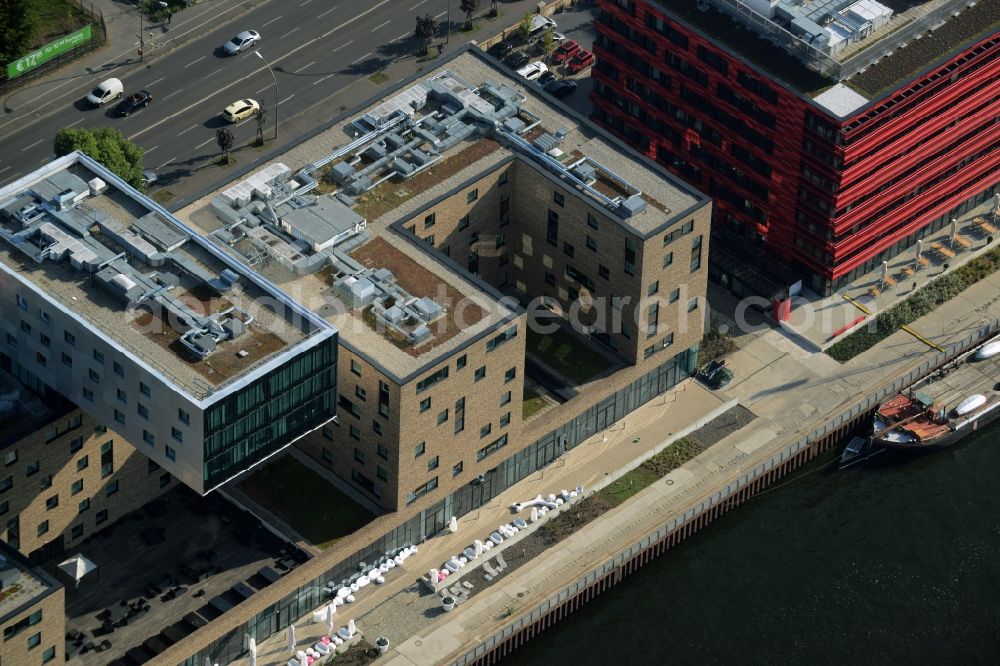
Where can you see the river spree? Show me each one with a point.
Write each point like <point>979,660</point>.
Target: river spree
<point>899,563</point>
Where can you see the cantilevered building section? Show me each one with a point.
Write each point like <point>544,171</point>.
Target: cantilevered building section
<point>833,133</point>
<point>200,363</point>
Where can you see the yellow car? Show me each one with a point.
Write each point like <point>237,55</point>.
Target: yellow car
<point>240,110</point>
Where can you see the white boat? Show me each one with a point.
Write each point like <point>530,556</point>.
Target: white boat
<point>987,350</point>
<point>970,404</point>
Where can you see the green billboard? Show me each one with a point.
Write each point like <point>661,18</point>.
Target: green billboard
<point>48,52</point>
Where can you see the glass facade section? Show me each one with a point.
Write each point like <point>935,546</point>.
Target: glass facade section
<point>264,416</point>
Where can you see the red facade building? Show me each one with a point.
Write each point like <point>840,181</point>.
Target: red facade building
<point>831,162</point>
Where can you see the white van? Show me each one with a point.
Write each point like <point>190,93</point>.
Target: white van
<point>107,91</point>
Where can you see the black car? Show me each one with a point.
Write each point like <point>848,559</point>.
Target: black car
<point>133,102</point>
<point>546,78</point>
<point>502,50</point>
<point>560,87</point>
<point>517,60</point>
<point>716,375</point>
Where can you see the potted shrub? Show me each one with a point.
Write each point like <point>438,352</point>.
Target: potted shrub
<point>382,644</point>
<point>448,602</point>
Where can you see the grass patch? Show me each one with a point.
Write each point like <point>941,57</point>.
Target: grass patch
<point>55,19</point>
<point>925,300</point>
<point>629,485</point>
<point>221,161</point>
<point>162,196</point>
<point>379,77</point>
<point>306,501</point>
<point>533,403</point>
<point>567,355</point>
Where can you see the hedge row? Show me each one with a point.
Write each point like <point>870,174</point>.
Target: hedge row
<point>925,300</point>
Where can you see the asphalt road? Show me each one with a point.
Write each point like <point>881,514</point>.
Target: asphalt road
<point>315,47</point>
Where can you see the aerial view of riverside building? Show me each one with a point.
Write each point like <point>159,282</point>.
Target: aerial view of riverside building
<point>412,353</point>
<point>833,135</point>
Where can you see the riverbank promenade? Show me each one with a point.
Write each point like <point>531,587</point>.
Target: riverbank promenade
<point>791,390</point>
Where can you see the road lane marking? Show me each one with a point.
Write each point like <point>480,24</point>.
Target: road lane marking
<point>166,163</point>
<point>352,20</point>
<point>289,32</point>
<point>256,72</point>
<point>441,14</point>
<point>6,168</point>
<point>75,122</point>
<point>286,99</point>
<point>417,5</point>
<point>303,67</point>
<point>32,145</point>
<point>194,61</point>
<point>212,74</point>
<point>323,79</point>
<point>271,21</point>
<point>174,93</point>
<point>331,9</point>
<point>361,58</point>
<point>344,45</point>
<point>204,143</point>
<point>403,36</point>
<point>268,86</point>
<point>381,25</point>
<point>150,85</point>
<point>151,149</point>
<point>187,130</point>
<point>305,3</point>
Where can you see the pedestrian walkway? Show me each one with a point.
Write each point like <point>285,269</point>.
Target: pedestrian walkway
<point>119,56</point>
<point>791,390</point>
<point>818,323</point>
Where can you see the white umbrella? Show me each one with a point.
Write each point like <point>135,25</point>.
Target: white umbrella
<point>291,638</point>
<point>453,524</point>
<point>534,514</point>
<point>253,652</point>
<point>330,610</point>
<point>350,627</point>
<point>479,547</point>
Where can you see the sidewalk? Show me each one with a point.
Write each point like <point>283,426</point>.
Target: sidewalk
<point>119,55</point>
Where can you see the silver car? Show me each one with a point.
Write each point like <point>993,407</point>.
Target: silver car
<point>241,42</point>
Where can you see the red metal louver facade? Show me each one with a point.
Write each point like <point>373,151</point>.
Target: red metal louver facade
<point>834,196</point>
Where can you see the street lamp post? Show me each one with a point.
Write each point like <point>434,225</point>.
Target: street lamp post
<point>447,39</point>
<point>275,78</point>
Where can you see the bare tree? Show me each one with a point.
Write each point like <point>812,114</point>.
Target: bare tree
<point>468,6</point>
<point>427,27</point>
<point>493,8</point>
<point>225,140</point>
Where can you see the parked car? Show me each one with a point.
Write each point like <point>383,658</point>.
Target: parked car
<point>580,61</point>
<point>517,60</point>
<point>560,87</point>
<point>241,42</point>
<point>716,374</point>
<point>240,110</point>
<point>533,70</point>
<point>501,50</point>
<point>106,91</point>
<point>564,52</point>
<point>546,78</point>
<point>148,178</point>
<point>133,102</point>
<point>539,24</point>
